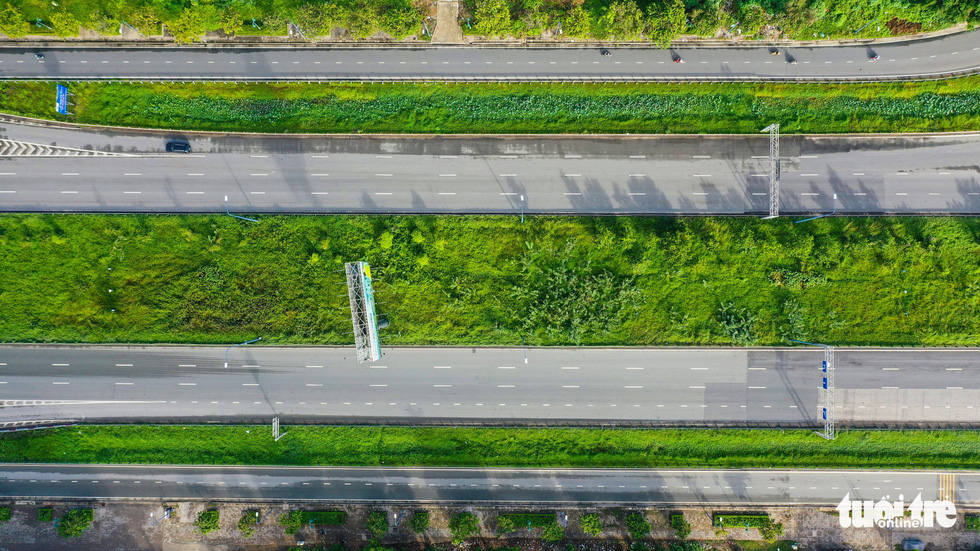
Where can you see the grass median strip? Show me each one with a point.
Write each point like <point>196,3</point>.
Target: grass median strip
<point>504,447</point>
<point>491,280</point>
<point>950,105</point>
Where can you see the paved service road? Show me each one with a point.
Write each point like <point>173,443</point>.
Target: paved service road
<point>929,57</point>
<point>345,484</point>
<point>903,174</point>
<point>673,386</point>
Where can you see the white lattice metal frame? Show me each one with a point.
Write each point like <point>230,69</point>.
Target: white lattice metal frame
<point>359,291</point>
<point>773,130</point>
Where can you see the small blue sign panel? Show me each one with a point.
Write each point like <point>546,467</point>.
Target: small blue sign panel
<point>824,367</point>
<point>824,414</point>
<point>825,383</point>
<point>62,100</point>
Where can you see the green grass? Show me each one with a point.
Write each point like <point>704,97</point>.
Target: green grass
<point>532,520</point>
<point>492,280</point>
<point>467,447</point>
<point>513,108</point>
<point>725,520</point>
<point>324,518</point>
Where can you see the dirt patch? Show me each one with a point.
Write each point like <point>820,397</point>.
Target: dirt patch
<point>901,26</point>
<point>127,526</point>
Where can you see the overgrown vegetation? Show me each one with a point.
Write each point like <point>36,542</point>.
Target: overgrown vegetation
<point>972,522</point>
<point>590,524</point>
<point>548,522</point>
<point>462,526</point>
<point>419,522</point>
<point>377,523</point>
<point>655,20</point>
<point>492,280</point>
<point>951,105</point>
<point>247,523</point>
<point>768,529</point>
<point>74,523</point>
<point>208,521</point>
<point>4,514</point>
<point>45,514</point>
<point>637,525</point>
<point>470,447</point>
<point>680,525</point>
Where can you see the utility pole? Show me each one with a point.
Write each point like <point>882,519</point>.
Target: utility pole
<point>773,130</point>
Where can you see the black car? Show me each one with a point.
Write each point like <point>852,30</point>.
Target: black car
<point>178,147</point>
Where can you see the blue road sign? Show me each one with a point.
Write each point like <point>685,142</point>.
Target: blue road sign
<point>62,100</point>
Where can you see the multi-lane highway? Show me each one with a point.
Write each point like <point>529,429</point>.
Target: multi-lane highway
<point>612,486</point>
<point>677,386</point>
<point>922,58</point>
<point>903,174</point>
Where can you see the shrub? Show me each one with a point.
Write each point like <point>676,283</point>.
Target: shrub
<point>4,514</point>
<point>295,520</point>
<point>291,521</point>
<point>771,531</point>
<point>74,523</point>
<point>462,526</point>
<point>324,518</point>
<point>247,523</point>
<point>973,522</point>
<point>553,532</point>
<point>505,525</point>
<point>45,514</point>
<point>207,521</point>
<point>377,523</point>
<point>591,524</point>
<point>419,522</point>
<point>637,525</point>
<point>681,526</point>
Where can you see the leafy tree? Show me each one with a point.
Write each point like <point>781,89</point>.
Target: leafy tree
<point>591,524</point>
<point>668,20</point>
<point>624,20</point>
<point>75,522</point>
<point>462,526</point>
<point>377,523</point>
<point>45,514</point>
<point>419,522</point>
<point>751,18</point>
<point>192,23</point>
<point>4,514</point>
<point>553,532</point>
<point>207,521</point>
<point>247,523</point>
<point>292,521</point>
<point>145,19</point>
<point>505,525</point>
<point>64,24</point>
<point>12,22</point>
<point>230,20</point>
<point>680,525</point>
<point>637,525</point>
<point>492,17</point>
<point>102,22</point>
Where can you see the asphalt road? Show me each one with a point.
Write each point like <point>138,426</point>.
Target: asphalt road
<point>914,58</point>
<point>902,174</point>
<point>346,484</point>
<point>675,386</point>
